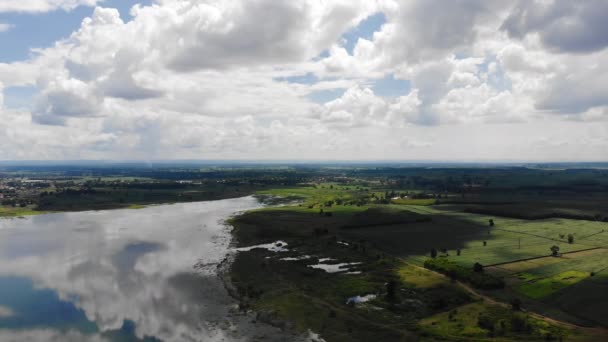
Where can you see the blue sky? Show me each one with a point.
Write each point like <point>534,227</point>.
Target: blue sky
<point>41,30</point>
<point>364,30</point>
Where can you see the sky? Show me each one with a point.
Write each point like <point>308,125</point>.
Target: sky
<point>461,80</point>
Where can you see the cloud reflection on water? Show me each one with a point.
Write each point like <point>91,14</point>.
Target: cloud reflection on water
<point>122,266</point>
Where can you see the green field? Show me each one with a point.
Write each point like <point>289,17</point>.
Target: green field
<point>18,211</point>
<point>514,239</point>
<point>536,287</point>
<point>487,322</point>
<point>414,201</point>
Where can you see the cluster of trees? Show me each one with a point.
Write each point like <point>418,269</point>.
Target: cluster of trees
<point>16,203</point>
<point>474,276</point>
<point>570,237</point>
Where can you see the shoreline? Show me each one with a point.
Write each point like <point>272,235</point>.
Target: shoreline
<point>243,310</point>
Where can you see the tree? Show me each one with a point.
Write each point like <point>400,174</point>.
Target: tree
<point>477,267</point>
<point>433,253</point>
<point>554,250</point>
<point>570,238</point>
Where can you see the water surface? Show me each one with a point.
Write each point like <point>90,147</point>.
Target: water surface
<point>121,275</point>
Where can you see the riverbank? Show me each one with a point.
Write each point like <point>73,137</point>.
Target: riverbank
<point>307,282</point>
<point>11,212</point>
<point>111,199</point>
<point>268,327</point>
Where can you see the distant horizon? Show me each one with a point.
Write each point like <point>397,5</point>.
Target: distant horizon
<point>292,161</point>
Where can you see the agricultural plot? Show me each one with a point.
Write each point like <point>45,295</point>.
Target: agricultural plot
<point>419,277</point>
<point>488,322</point>
<point>514,239</point>
<point>566,282</point>
<point>565,286</point>
<point>414,201</point>
<point>585,299</point>
<point>537,287</point>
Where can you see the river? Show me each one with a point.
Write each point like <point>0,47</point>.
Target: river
<point>122,275</point>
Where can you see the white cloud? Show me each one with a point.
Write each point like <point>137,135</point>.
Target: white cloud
<point>208,79</point>
<point>5,27</point>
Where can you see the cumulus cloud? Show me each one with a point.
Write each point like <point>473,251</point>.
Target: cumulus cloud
<point>233,79</point>
<point>219,34</point>
<point>562,25</point>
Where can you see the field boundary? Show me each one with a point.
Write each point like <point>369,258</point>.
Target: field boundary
<point>540,257</point>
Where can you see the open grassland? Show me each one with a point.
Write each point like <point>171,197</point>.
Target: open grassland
<point>419,277</point>
<point>594,260</point>
<point>536,287</point>
<point>18,211</point>
<point>585,299</point>
<point>574,283</point>
<point>515,239</point>
<point>481,321</point>
<point>414,201</point>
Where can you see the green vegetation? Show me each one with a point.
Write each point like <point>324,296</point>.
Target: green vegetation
<point>18,211</point>
<point>535,287</point>
<point>104,197</point>
<point>482,321</point>
<point>473,276</point>
<point>291,294</point>
<point>414,201</point>
<point>419,277</point>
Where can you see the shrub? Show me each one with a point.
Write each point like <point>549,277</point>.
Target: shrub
<point>477,279</point>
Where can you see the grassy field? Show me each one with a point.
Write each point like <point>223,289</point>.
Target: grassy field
<point>414,201</point>
<point>482,321</point>
<point>537,287</point>
<point>419,277</point>
<point>514,239</point>
<point>18,211</point>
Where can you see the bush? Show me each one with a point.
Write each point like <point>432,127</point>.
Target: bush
<point>477,279</point>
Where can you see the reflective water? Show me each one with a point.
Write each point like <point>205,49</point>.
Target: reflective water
<point>120,275</point>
